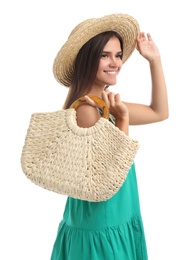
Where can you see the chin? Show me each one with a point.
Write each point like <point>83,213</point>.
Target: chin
<point>111,83</point>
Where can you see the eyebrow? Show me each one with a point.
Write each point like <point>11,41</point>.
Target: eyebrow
<point>108,52</point>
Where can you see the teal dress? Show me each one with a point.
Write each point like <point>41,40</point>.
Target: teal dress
<point>108,230</point>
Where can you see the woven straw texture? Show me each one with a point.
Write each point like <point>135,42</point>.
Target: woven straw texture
<point>125,25</point>
<point>84,163</point>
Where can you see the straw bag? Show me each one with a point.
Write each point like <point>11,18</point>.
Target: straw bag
<point>84,163</point>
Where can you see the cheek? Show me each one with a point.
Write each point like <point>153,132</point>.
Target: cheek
<point>101,67</point>
<point>102,64</point>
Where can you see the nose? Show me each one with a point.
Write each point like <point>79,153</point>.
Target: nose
<point>113,62</point>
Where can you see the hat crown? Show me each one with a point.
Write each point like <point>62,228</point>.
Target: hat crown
<point>80,25</point>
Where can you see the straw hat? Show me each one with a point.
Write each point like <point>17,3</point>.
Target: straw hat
<point>125,25</point>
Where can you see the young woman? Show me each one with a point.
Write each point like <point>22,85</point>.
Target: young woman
<point>88,63</point>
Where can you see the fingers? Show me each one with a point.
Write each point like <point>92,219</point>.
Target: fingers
<point>114,98</point>
<point>140,39</point>
<point>117,98</point>
<point>149,37</point>
<point>105,96</point>
<point>144,37</point>
<point>90,101</point>
<point>110,98</point>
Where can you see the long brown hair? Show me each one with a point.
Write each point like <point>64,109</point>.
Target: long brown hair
<point>86,66</point>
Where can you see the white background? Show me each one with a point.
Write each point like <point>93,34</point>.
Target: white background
<point>31,34</point>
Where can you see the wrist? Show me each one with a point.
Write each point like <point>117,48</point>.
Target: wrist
<point>155,60</point>
<point>123,124</point>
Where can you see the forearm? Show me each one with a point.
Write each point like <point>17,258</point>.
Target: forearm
<point>123,125</point>
<point>159,100</point>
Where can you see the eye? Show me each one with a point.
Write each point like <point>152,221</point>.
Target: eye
<point>119,55</point>
<point>104,55</point>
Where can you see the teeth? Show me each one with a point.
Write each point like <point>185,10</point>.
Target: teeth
<point>111,72</point>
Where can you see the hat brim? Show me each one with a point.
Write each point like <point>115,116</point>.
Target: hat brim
<point>125,25</point>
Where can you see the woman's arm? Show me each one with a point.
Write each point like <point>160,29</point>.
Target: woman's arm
<point>158,109</point>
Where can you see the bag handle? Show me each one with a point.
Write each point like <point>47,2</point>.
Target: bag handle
<point>81,101</point>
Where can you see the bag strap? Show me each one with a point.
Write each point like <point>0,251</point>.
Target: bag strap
<point>101,104</point>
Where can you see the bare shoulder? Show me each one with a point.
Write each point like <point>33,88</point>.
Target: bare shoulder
<point>87,115</point>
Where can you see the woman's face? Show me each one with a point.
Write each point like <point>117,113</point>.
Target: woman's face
<point>110,63</point>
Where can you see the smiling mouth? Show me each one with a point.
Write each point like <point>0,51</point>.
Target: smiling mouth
<point>111,72</point>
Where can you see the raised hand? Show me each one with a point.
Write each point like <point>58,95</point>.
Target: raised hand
<point>146,47</point>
